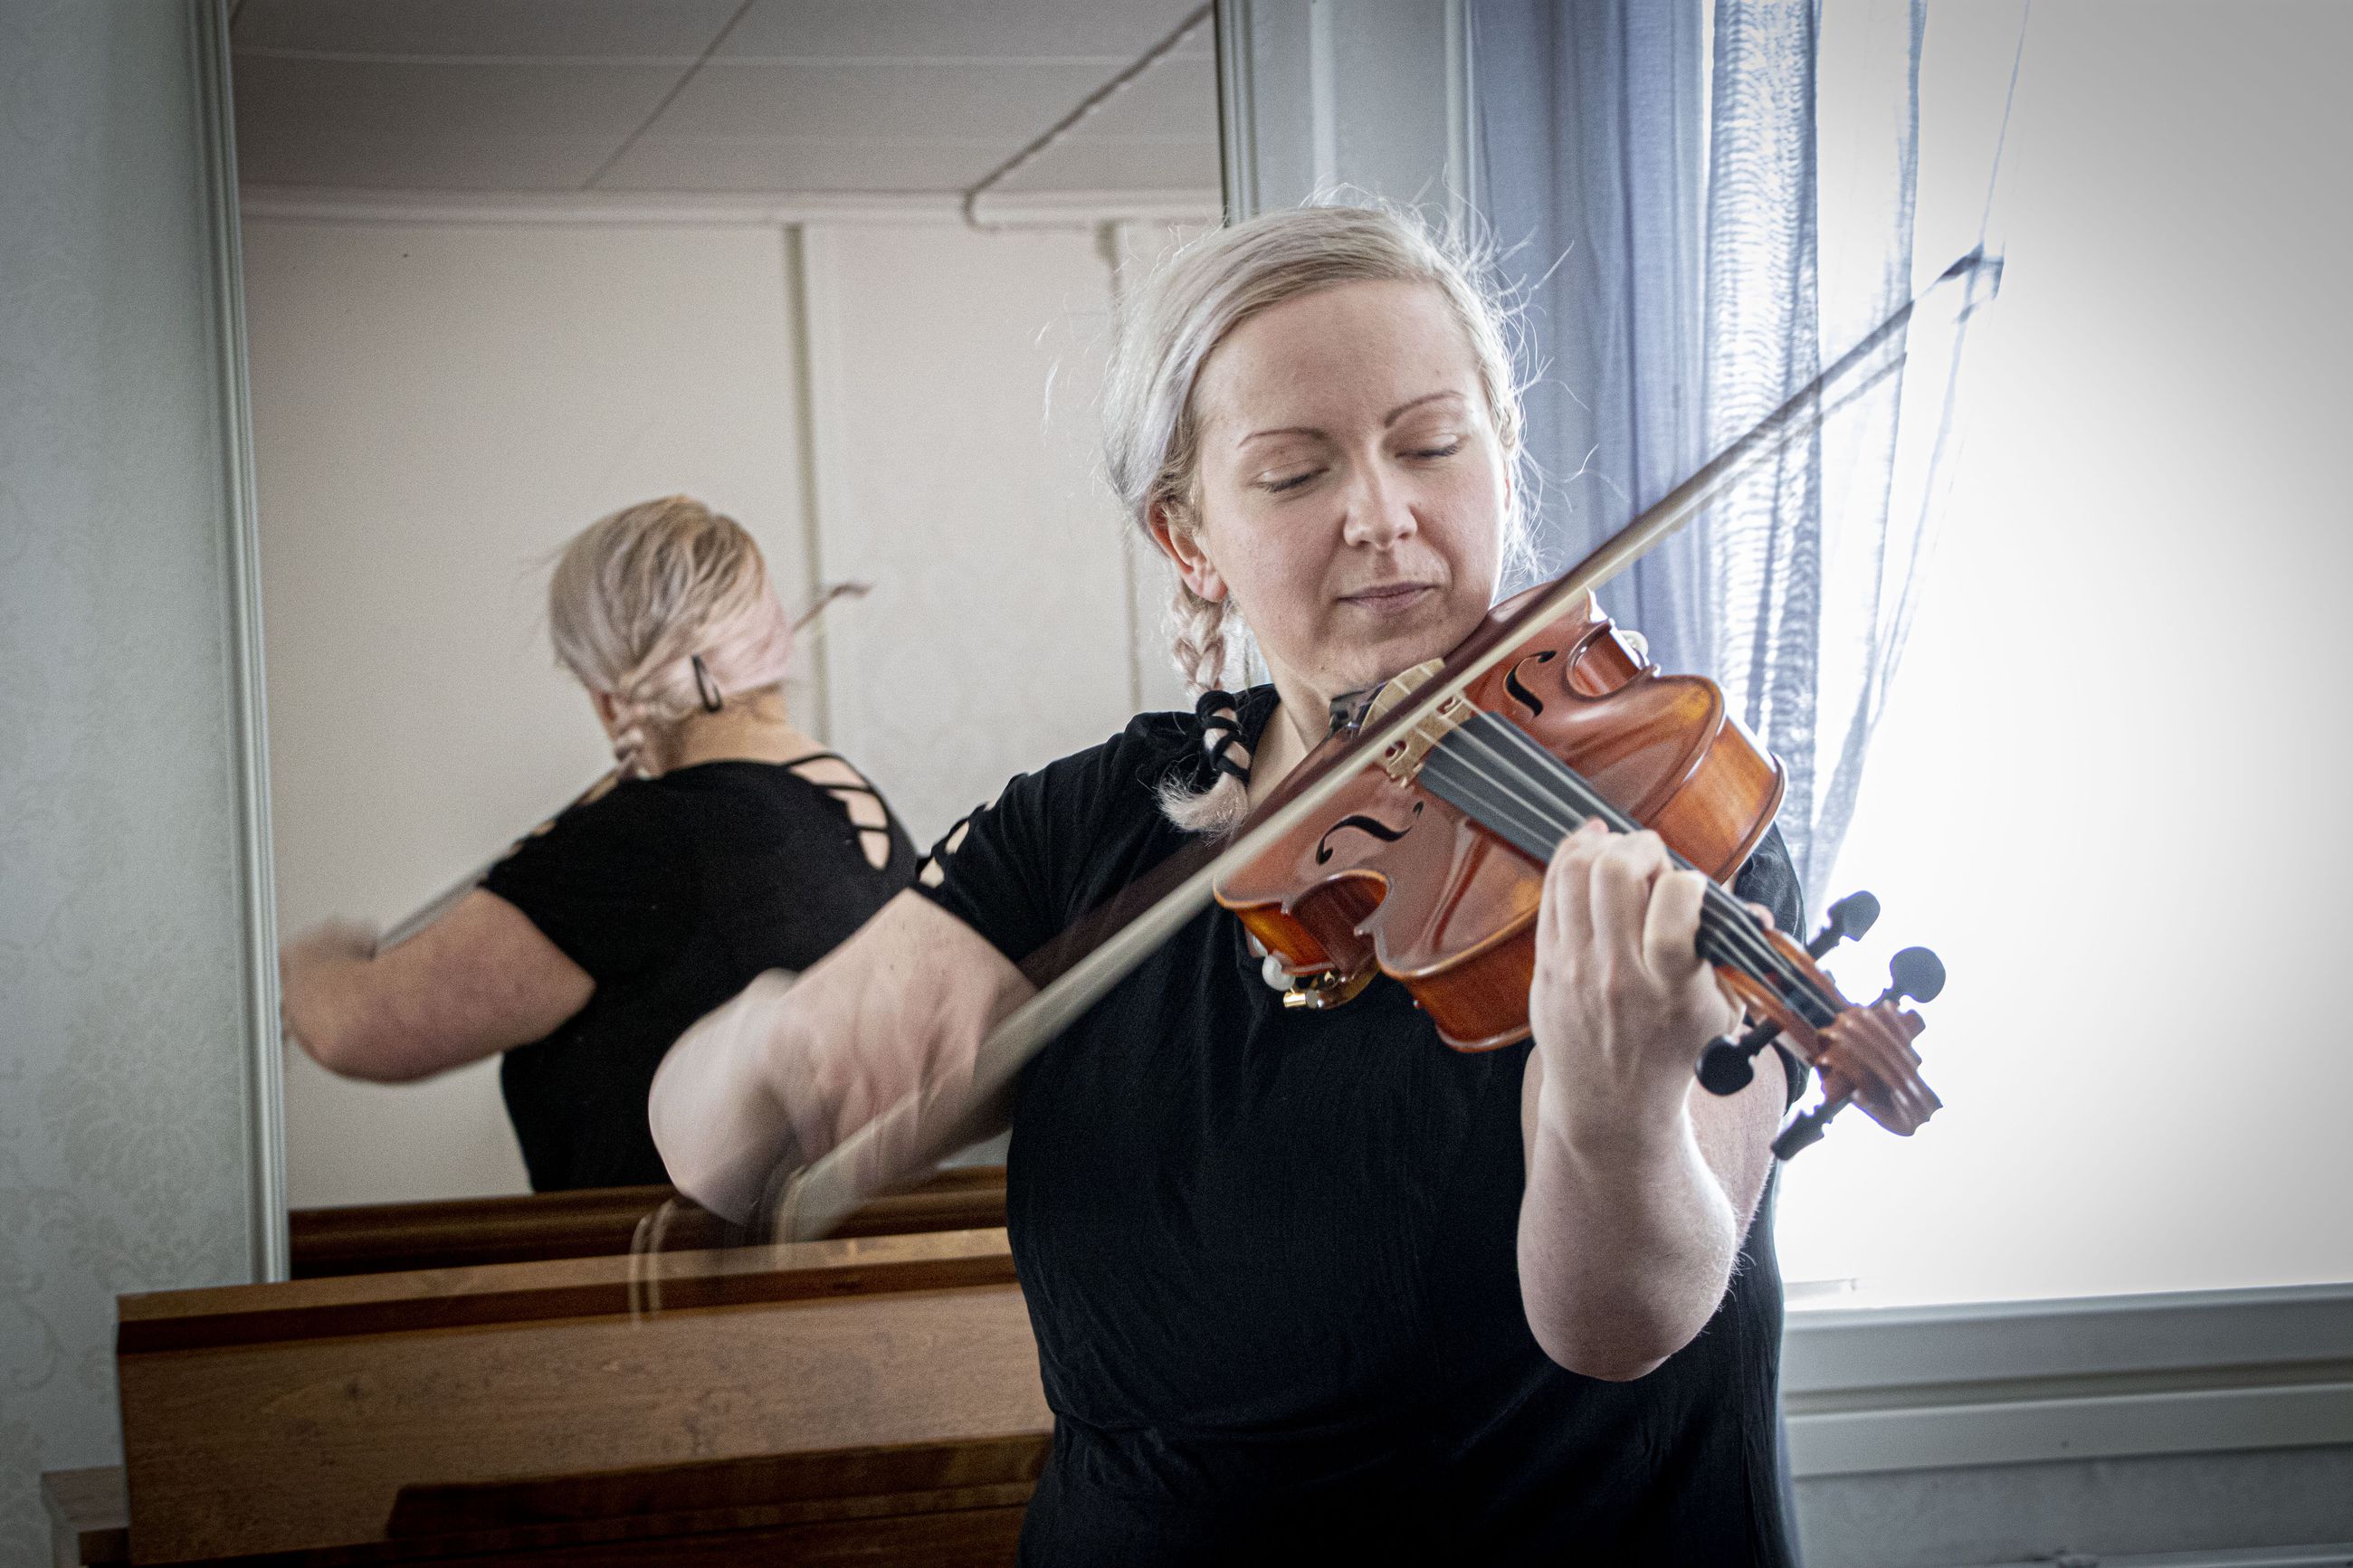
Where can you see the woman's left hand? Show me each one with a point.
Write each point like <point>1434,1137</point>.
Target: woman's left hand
<point>1640,1184</point>
<point>1622,1004</point>
<point>304,960</point>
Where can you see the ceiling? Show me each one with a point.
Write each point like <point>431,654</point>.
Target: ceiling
<point>781,97</point>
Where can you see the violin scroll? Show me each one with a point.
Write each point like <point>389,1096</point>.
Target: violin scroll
<point>1865,1057</point>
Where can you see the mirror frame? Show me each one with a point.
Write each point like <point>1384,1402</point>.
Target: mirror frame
<point>265,1094</point>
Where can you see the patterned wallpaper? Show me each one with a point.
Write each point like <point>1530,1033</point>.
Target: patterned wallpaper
<point>125,1155</point>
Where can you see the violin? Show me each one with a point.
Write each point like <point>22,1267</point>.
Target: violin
<point>1427,866</point>
<point>1413,841</point>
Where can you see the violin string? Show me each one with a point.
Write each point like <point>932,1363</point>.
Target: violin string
<point>1521,754</point>
<point>1534,825</point>
<point>1530,827</point>
<point>1727,926</point>
<point>1731,940</point>
<point>1579,800</point>
<point>1497,734</point>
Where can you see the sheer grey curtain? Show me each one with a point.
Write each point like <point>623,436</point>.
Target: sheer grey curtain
<point>1651,172</point>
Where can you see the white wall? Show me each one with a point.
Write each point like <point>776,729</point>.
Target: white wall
<point>953,467</point>
<point>440,403</point>
<point>127,1003</point>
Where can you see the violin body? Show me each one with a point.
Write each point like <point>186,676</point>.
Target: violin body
<point>1394,877</point>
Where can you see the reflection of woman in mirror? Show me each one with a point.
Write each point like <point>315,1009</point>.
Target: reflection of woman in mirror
<point>731,845</point>
<point>1309,1286</point>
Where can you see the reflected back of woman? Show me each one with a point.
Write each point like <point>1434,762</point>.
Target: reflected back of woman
<point>726,844</point>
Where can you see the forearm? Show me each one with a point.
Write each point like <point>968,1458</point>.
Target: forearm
<point>719,1124</point>
<point>478,980</point>
<point>360,1020</point>
<point>1627,1241</point>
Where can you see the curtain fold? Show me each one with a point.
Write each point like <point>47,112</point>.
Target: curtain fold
<point>1698,206</point>
<point>1600,231</point>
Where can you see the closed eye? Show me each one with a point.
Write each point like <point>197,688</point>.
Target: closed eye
<point>1435,452</point>
<point>1288,482</point>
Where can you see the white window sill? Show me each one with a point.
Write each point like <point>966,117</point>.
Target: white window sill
<point>1868,1390</point>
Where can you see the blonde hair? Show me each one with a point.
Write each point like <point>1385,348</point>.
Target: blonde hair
<point>1191,304</point>
<point>666,606</point>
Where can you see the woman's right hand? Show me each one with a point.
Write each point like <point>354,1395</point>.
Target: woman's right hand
<point>789,1069</point>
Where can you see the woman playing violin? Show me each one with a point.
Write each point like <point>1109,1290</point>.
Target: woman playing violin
<point>1306,1285</point>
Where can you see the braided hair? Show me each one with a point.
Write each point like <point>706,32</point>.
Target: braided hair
<point>667,608</point>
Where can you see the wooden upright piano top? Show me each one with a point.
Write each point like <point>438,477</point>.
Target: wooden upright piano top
<point>437,1412</point>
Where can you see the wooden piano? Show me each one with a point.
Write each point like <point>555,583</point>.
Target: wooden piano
<point>870,1399</point>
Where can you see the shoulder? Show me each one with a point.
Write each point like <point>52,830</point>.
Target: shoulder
<point>604,881</point>
<point>1060,839</point>
<point>625,815</point>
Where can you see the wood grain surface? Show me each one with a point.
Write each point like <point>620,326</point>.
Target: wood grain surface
<point>263,1418</point>
<point>586,1287</point>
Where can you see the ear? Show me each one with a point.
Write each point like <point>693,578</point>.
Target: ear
<point>1183,547</point>
<point>609,711</point>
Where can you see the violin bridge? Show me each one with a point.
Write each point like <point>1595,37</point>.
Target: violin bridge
<point>1402,759</point>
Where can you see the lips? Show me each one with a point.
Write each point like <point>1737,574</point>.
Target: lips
<point>1390,596</point>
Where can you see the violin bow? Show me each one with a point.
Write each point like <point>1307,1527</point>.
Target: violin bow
<point>1077,970</point>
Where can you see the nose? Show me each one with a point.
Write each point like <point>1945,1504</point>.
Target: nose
<point>1380,511</point>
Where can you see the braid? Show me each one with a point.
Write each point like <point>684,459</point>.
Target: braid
<point>631,742</point>
<point>1200,645</point>
<point>1201,651</point>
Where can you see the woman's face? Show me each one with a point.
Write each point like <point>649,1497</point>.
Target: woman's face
<point>1352,490</point>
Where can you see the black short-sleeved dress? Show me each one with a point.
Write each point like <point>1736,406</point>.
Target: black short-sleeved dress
<point>672,893</point>
<point>1269,1255</point>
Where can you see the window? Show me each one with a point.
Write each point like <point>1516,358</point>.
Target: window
<point>2111,789</point>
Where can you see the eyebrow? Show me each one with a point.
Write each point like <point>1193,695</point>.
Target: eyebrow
<point>1391,417</point>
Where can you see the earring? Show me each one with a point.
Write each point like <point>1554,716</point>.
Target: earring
<point>706,687</point>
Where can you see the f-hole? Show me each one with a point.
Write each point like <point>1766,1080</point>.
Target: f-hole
<point>1374,825</point>
<point>1533,704</point>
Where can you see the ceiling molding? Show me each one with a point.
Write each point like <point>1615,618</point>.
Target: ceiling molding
<point>1043,209</point>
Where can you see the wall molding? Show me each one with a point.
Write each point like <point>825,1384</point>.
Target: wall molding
<point>2332,1556</point>
<point>249,717</point>
<point>1875,1390</point>
<point>1043,209</point>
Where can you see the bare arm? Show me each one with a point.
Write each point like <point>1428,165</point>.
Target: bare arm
<point>1640,1184</point>
<point>478,980</point>
<point>787,1070</point>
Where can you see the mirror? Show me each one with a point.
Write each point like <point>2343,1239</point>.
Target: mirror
<point>844,272</point>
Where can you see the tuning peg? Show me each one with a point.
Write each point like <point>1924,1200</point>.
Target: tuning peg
<point>1850,918</point>
<point>1913,974</point>
<point>1727,1064</point>
<point>1805,1130</point>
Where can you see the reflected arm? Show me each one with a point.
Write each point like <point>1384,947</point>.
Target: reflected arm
<point>476,982</point>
